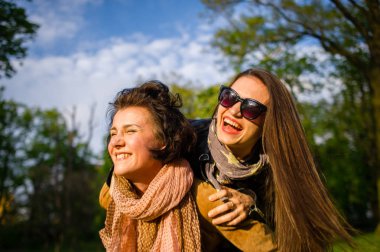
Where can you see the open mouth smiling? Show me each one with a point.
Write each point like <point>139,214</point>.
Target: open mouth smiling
<point>228,122</point>
<point>122,156</point>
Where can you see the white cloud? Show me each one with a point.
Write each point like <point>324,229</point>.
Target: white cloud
<point>84,78</point>
<point>59,19</point>
<point>94,70</point>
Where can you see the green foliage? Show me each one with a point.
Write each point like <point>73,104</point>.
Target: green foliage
<point>187,95</point>
<point>15,31</point>
<point>342,134</point>
<point>15,122</point>
<point>332,131</point>
<point>197,103</point>
<point>49,184</point>
<point>272,24</point>
<point>365,243</point>
<point>206,101</point>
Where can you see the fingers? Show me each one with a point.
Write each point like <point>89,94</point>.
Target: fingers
<point>241,216</point>
<point>219,195</point>
<point>240,197</point>
<point>223,213</point>
<point>231,218</point>
<point>233,211</point>
<point>222,209</point>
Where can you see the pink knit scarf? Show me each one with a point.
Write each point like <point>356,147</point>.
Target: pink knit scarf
<point>166,202</point>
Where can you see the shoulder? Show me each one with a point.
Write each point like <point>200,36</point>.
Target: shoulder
<point>200,125</point>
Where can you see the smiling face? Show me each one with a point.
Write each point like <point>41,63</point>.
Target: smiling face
<point>132,137</point>
<point>236,132</point>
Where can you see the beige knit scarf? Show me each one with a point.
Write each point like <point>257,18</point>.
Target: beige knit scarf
<point>163,219</point>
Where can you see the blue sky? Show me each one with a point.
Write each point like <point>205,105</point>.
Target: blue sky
<point>74,22</point>
<point>87,50</point>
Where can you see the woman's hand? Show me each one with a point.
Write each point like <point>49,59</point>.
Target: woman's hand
<point>234,210</point>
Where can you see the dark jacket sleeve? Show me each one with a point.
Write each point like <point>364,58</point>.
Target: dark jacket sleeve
<point>201,127</point>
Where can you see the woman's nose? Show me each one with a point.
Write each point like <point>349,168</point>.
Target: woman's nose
<point>118,140</point>
<point>235,110</point>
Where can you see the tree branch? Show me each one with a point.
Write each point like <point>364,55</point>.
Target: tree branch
<point>374,10</point>
<point>358,6</point>
<point>91,124</point>
<point>347,14</point>
<point>333,47</point>
<point>327,43</point>
<point>282,13</point>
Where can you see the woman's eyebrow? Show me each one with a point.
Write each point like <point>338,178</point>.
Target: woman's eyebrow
<point>126,126</point>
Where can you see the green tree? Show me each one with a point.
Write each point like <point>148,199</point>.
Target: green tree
<point>269,34</point>
<point>205,102</point>
<point>49,182</point>
<point>61,175</point>
<point>15,122</point>
<point>15,31</point>
<point>188,96</point>
<point>336,134</point>
<point>197,102</point>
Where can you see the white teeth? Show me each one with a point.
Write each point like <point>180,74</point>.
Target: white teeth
<point>233,124</point>
<point>121,156</point>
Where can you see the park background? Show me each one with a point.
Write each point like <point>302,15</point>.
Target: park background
<point>62,62</point>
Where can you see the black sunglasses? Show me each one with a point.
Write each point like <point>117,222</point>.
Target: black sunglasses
<point>249,108</point>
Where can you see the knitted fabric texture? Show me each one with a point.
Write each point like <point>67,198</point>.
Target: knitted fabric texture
<point>163,219</point>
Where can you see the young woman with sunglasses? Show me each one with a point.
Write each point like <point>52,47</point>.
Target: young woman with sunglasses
<point>255,144</point>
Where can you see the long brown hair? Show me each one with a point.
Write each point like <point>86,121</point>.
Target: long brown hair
<point>304,216</point>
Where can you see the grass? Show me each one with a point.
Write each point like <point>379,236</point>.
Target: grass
<point>365,243</point>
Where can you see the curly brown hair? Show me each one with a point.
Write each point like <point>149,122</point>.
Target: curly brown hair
<point>172,128</point>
